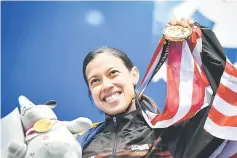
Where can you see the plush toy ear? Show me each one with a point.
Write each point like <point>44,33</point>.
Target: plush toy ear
<point>51,104</point>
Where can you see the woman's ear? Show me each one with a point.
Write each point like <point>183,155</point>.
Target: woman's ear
<point>135,75</point>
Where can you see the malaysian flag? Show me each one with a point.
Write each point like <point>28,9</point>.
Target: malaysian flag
<point>201,105</point>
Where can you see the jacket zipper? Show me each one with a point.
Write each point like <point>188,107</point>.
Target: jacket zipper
<point>114,137</point>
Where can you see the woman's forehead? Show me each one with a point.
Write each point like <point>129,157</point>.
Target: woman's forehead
<point>102,62</point>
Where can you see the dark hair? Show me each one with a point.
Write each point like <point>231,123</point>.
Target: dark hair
<point>114,51</point>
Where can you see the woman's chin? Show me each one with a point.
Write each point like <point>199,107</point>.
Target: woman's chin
<point>115,110</point>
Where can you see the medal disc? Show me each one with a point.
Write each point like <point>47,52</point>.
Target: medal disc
<point>43,125</point>
<point>176,32</point>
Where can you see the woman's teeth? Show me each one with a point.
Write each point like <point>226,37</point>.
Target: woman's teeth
<point>112,97</point>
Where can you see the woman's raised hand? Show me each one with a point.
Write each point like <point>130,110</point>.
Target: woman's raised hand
<point>182,22</point>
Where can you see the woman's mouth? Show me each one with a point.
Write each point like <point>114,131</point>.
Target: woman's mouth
<point>112,97</point>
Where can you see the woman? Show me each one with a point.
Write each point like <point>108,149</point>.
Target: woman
<point>111,78</point>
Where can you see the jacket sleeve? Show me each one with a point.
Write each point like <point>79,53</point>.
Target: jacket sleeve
<point>213,57</point>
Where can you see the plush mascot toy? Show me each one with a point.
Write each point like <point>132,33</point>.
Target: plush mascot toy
<point>45,136</point>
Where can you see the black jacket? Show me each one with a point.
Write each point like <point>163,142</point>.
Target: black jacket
<point>126,135</point>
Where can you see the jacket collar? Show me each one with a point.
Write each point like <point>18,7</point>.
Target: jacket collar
<point>124,120</point>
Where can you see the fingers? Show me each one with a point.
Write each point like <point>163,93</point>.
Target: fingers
<point>172,22</point>
<point>191,22</point>
<point>182,22</point>
<point>176,22</point>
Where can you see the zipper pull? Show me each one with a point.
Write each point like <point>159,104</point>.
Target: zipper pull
<point>115,121</point>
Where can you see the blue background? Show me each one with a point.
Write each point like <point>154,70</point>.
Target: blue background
<point>44,44</point>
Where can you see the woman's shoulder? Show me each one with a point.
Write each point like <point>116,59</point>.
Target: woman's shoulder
<point>86,136</point>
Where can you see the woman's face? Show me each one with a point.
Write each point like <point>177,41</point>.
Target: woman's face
<point>111,83</point>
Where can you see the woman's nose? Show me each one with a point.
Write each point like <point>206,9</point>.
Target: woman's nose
<point>107,84</point>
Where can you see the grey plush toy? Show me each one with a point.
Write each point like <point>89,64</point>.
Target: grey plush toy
<point>47,137</point>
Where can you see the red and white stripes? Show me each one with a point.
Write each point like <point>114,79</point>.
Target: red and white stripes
<point>151,67</point>
<point>222,118</point>
<point>188,90</point>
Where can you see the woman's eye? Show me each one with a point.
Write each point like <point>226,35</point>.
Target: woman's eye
<point>113,72</point>
<point>94,81</point>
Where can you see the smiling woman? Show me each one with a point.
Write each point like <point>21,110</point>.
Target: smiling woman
<point>111,78</point>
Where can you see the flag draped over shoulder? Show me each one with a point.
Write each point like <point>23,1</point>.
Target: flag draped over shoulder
<point>201,93</point>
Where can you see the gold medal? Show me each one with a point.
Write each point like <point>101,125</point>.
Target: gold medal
<point>43,125</point>
<point>176,32</point>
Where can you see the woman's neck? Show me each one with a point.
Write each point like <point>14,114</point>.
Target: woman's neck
<point>131,107</point>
